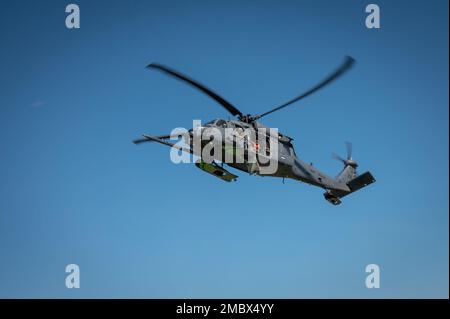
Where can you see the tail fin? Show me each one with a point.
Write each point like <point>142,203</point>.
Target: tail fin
<point>349,171</point>
<point>347,174</point>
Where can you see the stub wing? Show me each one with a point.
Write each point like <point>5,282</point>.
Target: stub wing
<point>216,170</point>
<point>211,168</point>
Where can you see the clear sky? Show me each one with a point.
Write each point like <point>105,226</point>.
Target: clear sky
<point>74,189</point>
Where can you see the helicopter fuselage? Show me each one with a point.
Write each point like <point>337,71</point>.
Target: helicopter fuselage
<point>267,146</point>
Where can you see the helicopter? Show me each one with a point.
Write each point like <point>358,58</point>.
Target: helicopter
<point>266,146</point>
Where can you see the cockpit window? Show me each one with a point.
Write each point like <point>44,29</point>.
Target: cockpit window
<point>291,147</point>
<point>221,123</point>
<point>210,123</point>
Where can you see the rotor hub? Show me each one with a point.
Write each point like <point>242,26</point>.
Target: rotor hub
<point>351,163</point>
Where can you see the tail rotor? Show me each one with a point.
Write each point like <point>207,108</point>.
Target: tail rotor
<point>349,171</point>
<point>349,160</point>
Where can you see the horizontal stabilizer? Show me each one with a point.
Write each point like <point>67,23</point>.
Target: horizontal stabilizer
<point>361,181</point>
<point>334,196</point>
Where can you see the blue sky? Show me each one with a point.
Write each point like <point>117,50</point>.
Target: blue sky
<point>74,189</point>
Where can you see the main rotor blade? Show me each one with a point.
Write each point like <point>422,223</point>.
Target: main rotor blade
<point>143,140</point>
<point>234,111</point>
<point>337,157</point>
<point>349,61</point>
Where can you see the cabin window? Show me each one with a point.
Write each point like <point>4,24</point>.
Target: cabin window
<point>268,145</point>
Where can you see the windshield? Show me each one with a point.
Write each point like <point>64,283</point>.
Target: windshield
<point>221,123</point>
<point>210,123</point>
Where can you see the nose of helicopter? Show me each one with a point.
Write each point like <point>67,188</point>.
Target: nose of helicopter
<point>201,133</point>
